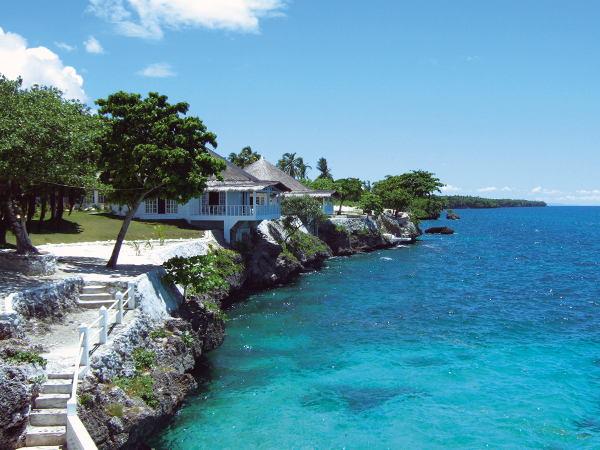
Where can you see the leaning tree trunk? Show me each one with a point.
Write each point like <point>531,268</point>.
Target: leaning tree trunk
<point>42,212</point>
<point>112,262</point>
<point>340,210</point>
<point>17,221</point>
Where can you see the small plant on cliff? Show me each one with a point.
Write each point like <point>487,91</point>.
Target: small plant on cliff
<point>217,312</point>
<point>158,334</point>
<point>139,386</point>
<point>187,339</point>
<point>27,357</point>
<point>143,359</point>
<point>115,410</point>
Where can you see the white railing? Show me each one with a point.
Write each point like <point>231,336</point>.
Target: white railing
<point>77,436</point>
<point>268,210</point>
<point>236,210</point>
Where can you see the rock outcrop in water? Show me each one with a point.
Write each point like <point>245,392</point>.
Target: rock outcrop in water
<point>452,216</point>
<point>439,230</point>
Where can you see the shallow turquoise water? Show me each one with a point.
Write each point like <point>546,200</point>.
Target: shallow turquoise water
<point>488,338</point>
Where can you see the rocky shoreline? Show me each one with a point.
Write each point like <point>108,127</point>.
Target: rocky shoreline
<point>140,379</point>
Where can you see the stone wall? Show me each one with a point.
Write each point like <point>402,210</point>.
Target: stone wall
<point>50,302</point>
<point>42,264</point>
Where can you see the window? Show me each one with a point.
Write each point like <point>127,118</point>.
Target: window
<point>101,198</point>
<point>171,207</point>
<point>152,206</point>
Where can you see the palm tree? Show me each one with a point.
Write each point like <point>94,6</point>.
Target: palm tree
<point>302,168</point>
<point>325,171</point>
<point>245,157</point>
<point>289,164</point>
<point>293,166</point>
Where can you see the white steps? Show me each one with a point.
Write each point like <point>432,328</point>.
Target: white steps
<point>57,387</point>
<point>95,297</point>
<point>45,401</point>
<point>48,417</point>
<point>47,428</point>
<point>40,436</point>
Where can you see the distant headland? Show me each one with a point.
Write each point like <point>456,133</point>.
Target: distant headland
<point>468,202</point>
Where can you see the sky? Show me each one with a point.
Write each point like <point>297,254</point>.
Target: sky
<point>498,99</point>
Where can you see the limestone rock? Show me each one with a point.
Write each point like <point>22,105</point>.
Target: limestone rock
<point>452,216</point>
<point>439,230</point>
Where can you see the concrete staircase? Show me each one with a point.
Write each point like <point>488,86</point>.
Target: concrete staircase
<point>95,297</point>
<point>47,429</point>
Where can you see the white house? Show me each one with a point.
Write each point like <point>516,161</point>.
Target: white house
<point>235,205</point>
<point>263,169</point>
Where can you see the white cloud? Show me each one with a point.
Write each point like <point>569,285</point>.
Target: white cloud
<point>546,191</point>
<point>147,18</point>
<point>450,188</point>
<point>507,189</point>
<point>37,65</point>
<point>92,45</point>
<point>595,191</point>
<point>158,70</point>
<point>490,189</point>
<point>64,46</point>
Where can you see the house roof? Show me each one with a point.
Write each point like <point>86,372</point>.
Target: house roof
<point>264,170</point>
<point>236,179</point>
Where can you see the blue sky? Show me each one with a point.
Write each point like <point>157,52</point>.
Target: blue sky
<point>498,99</point>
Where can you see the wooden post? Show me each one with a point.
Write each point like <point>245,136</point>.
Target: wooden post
<point>85,356</point>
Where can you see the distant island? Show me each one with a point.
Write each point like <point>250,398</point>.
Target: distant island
<point>468,202</point>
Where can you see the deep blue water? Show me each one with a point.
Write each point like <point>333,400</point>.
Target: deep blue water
<point>488,338</point>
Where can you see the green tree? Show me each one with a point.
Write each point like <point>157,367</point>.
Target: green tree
<point>293,166</point>
<point>321,184</point>
<point>302,168</point>
<point>419,183</point>
<point>324,169</point>
<point>348,189</point>
<point>393,195</point>
<point>371,204</point>
<point>199,272</point>
<point>152,150</point>
<point>301,210</point>
<point>46,142</point>
<point>244,158</point>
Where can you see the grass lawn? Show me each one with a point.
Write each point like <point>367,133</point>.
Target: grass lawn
<point>86,227</point>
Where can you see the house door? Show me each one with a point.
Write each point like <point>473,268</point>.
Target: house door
<point>161,205</point>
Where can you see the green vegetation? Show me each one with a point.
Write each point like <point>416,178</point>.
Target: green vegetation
<point>86,227</point>
<point>150,150</point>
<point>466,202</point>
<point>143,359</point>
<point>324,169</point>
<point>187,338</point>
<point>306,243</point>
<point>244,158</point>
<point>139,386</point>
<point>298,211</point>
<point>159,334</point>
<point>85,399</point>
<point>115,410</point>
<point>47,144</point>
<point>348,189</point>
<point>293,166</point>
<point>31,358</point>
<point>202,273</point>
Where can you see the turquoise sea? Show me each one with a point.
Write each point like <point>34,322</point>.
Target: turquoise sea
<point>485,339</point>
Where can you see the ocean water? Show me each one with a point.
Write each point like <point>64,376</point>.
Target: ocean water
<point>488,338</point>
